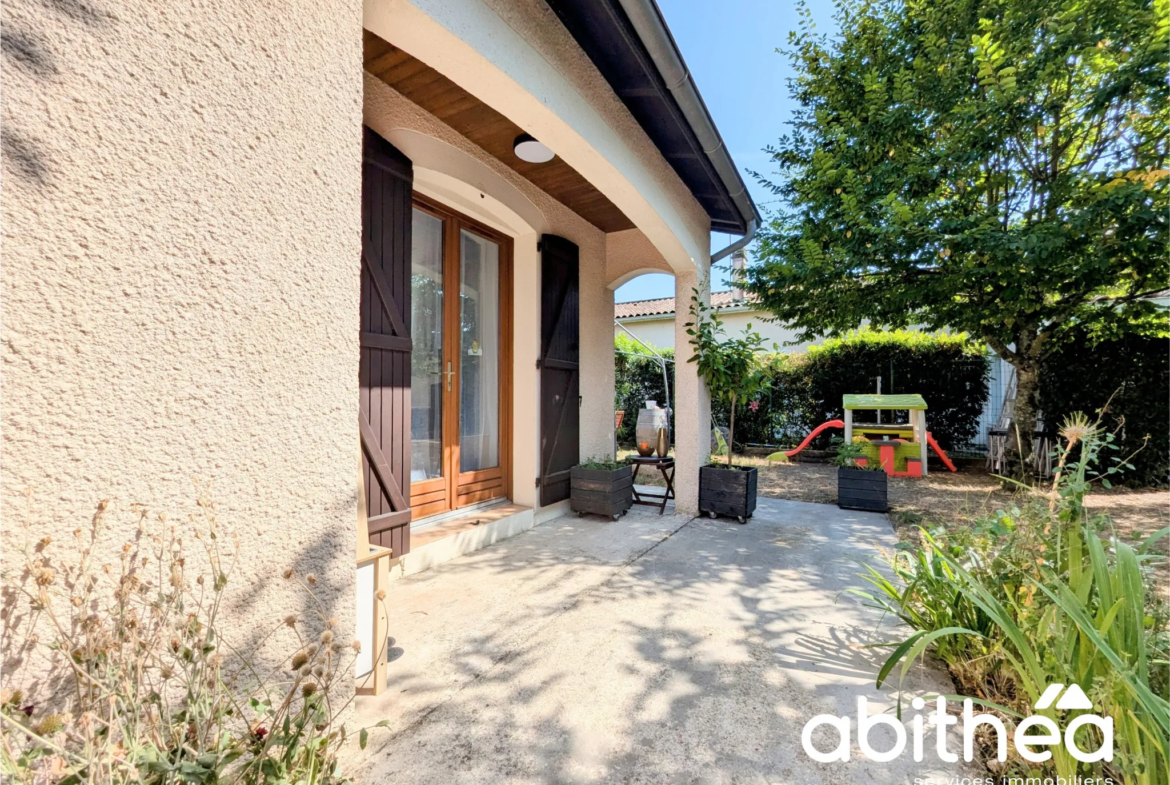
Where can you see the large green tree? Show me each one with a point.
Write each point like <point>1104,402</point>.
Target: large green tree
<point>991,166</point>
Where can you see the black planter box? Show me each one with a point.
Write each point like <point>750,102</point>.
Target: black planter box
<point>602,491</point>
<point>725,490</point>
<point>861,489</point>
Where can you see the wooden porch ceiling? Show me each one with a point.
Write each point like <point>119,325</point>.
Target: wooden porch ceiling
<point>487,128</point>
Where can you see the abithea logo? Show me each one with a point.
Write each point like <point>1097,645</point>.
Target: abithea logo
<point>1073,698</point>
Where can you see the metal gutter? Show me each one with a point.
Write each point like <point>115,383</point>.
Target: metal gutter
<point>648,22</point>
<point>742,242</point>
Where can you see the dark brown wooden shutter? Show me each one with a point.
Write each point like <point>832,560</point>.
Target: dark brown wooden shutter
<point>560,363</point>
<point>387,179</point>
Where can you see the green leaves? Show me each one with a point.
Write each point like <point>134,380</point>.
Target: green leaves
<point>1035,597</point>
<point>997,167</point>
<point>732,367</point>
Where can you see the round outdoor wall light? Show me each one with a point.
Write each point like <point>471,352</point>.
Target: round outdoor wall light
<point>530,150</point>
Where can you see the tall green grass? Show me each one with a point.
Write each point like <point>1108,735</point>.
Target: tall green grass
<point>1035,597</point>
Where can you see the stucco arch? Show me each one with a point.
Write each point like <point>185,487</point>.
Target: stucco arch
<point>629,254</point>
<point>444,172</point>
<point>625,278</point>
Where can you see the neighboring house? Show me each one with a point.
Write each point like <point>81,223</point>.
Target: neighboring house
<point>311,254</point>
<point>652,321</point>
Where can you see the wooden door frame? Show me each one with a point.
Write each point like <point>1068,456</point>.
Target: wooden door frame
<point>480,485</point>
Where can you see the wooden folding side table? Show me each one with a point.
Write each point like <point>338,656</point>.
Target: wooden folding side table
<point>665,467</point>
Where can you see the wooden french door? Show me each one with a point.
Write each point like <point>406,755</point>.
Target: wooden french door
<point>461,363</point>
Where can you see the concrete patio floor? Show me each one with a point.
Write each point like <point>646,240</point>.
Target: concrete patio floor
<point>651,649</point>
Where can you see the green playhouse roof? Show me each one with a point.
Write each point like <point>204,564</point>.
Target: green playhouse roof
<point>883,402</point>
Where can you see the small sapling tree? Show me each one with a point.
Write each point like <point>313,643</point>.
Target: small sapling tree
<point>730,366</point>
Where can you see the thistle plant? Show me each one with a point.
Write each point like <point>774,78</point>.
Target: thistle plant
<point>148,688</point>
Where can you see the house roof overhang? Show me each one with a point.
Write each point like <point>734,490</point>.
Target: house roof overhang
<point>630,45</point>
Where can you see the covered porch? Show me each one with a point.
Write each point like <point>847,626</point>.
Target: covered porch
<point>488,275</point>
<point>514,175</point>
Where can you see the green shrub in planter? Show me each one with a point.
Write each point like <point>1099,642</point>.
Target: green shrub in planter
<point>728,490</point>
<point>602,488</point>
<point>734,373</point>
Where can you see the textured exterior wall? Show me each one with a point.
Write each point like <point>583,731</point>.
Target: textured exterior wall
<point>597,368</point>
<point>395,117</point>
<point>181,236</point>
<point>630,254</point>
<point>692,418</point>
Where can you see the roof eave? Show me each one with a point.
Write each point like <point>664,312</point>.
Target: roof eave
<point>630,44</point>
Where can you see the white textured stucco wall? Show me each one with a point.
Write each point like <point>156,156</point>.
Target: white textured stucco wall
<point>692,417</point>
<point>630,253</point>
<point>181,236</point>
<point>659,331</point>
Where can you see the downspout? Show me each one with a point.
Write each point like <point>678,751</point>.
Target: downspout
<point>742,242</point>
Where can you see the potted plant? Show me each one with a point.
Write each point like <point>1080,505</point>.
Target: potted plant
<point>733,373</point>
<point>603,487</point>
<point>860,486</point>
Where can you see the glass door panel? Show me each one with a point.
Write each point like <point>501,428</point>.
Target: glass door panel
<point>460,281</point>
<point>479,353</point>
<point>427,378</point>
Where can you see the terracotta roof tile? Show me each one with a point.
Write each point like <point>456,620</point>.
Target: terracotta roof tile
<point>665,305</point>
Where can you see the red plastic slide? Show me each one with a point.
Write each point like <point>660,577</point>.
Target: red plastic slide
<point>817,430</point>
<point>841,424</point>
<point>939,452</point>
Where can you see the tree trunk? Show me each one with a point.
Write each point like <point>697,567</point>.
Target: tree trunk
<point>731,431</point>
<point>1025,355</point>
<point>1023,424</point>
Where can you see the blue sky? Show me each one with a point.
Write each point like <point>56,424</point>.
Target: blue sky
<point>730,48</point>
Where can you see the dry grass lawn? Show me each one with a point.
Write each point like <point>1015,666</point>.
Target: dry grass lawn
<point>944,497</point>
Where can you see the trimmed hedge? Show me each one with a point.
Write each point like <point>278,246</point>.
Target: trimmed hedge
<point>1082,374</point>
<point>949,371</point>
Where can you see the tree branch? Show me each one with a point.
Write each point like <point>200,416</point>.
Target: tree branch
<point>1001,349</point>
